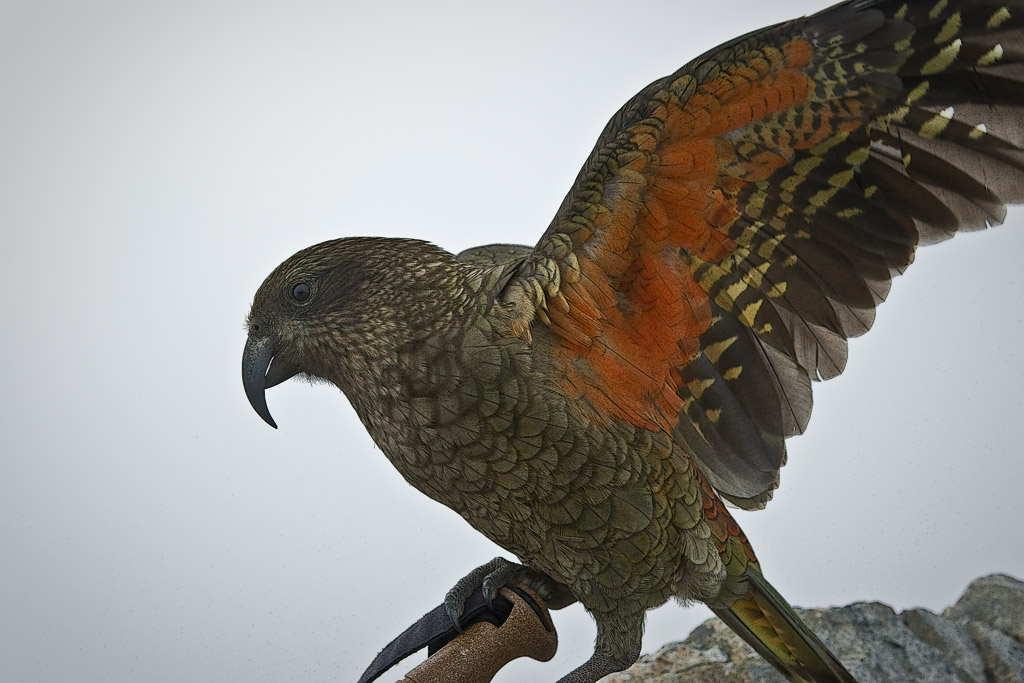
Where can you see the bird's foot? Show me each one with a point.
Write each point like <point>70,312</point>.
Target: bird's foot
<point>619,636</point>
<point>599,666</point>
<point>495,575</point>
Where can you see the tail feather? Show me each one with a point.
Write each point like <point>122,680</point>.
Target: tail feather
<point>768,624</point>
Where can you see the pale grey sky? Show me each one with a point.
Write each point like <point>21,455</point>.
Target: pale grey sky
<point>158,159</point>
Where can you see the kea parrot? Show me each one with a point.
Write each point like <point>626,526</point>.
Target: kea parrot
<point>594,403</point>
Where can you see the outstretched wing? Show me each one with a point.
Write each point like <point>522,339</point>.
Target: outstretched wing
<point>741,218</point>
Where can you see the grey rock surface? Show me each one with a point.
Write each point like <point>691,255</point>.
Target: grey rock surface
<point>980,639</point>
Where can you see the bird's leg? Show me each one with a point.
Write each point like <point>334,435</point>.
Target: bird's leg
<point>618,646</point>
<point>497,574</point>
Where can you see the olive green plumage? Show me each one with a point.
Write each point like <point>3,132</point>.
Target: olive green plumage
<point>588,403</point>
<point>466,412</point>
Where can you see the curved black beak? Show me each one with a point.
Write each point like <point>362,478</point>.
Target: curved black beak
<point>256,358</point>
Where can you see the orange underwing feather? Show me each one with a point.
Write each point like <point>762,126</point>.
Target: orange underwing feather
<point>650,313</point>
<point>762,198</point>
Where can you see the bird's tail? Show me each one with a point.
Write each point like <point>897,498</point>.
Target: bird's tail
<point>768,623</point>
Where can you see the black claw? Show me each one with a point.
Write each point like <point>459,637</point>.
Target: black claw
<point>454,616</point>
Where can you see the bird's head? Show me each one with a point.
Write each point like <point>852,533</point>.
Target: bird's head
<point>334,310</point>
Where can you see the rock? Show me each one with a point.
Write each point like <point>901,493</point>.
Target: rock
<point>996,600</point>
<point>980,639</point>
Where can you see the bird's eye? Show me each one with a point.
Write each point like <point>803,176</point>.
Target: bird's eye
<point>301,292</point>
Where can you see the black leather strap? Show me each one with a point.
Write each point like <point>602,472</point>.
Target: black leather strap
<point>435,629</point>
